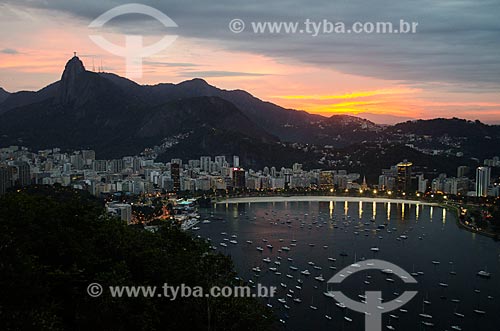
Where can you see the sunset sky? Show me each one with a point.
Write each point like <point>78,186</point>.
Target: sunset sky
<point>449,68</point>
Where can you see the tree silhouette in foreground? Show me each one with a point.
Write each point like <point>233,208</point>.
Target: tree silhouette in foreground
<point>55,241</point>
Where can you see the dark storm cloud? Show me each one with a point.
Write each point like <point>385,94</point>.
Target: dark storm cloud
<point>458,41</point>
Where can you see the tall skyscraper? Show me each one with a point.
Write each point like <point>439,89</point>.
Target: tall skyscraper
<point>205,163</point>
<point>116,166</point>
<point>422,183</point>
<point>23,173</point>
<point>5,178</point>
<point>462,171</point>
<point>403,181</point>
<point>220,160</point>
<point>175,174</point>
<point>483,175</point>
<point>326,180</point>
<point>100,165</point>
<point>238,178</point>
<point>236,161</point>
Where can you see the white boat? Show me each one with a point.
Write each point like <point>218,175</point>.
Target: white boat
<point>269,246</point>
<point>285,248</point>
<point>249,242</point>
<point>234,242</point>
<point>374,249</point>
<point>319,278</point>
<point>256,269</point>
<point>223,244</point>
<point>305,272</point>
<point>293,268</point>
<point>297,300</point>
<point>329,294</point>
<point>484,274</point>
<point>260,248</point>
<point>267,260</point>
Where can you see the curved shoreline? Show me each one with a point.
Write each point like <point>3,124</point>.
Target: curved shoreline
<point>320,198</point>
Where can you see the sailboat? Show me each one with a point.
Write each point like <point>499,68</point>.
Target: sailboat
<point>484,274</point>
<point>423,314</point>
<point>312,306</point>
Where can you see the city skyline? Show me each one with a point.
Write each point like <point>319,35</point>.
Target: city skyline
<point>436,72</point>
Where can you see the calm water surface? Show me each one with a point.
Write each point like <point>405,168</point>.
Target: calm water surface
<point>347,232</point>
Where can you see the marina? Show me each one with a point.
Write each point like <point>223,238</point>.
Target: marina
<point>323,234</point>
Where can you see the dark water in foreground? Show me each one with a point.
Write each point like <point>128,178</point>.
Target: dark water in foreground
<point>346,227</point>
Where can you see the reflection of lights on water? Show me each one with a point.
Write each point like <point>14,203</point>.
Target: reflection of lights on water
<point>360,209</point>
<point>374,210</point>
<point>431,212</point>
<point>444,215</point>
<point>331,208</point>
<point>388,211</point>
<point>417,209</point>
<point>346,207</point>
<point>403,212</point>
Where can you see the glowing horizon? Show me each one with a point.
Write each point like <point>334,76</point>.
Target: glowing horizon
<point>32,60</point>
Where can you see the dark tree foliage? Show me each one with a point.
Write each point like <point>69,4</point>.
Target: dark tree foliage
<point>55,241</point>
